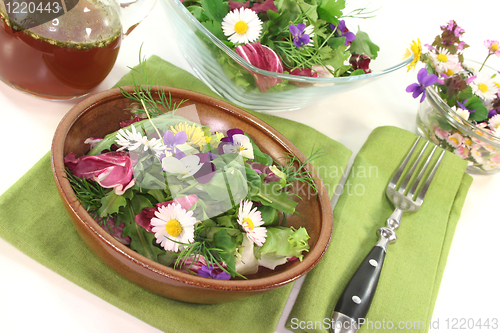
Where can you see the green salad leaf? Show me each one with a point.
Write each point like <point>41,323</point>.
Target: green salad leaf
<point>285,242</point>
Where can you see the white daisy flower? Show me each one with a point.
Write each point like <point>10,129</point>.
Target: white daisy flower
<point>475,152</point>
<point>441,133</point>
<point>241,144</point>
<point>156,146</point>
<point>462,113</point>
<point>484,87</point>
<point>130,140</point>
<point>133,140</point>
<point>494,124</point>
<point>455,140</point>
<point>443,61</point>
<point>251,221</point>
<point>453,68</point>
<point>463,152</point>
<point>242,26</point>
<point>173,225</point>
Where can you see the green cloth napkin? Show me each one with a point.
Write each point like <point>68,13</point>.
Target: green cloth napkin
<point>414,264</point>
<point>47,235</point>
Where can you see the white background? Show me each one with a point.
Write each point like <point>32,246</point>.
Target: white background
<point>33,298</point>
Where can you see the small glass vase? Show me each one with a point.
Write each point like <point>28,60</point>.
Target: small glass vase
<point>438,123</point>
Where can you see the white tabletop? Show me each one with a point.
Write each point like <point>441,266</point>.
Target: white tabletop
<point>34,298</point>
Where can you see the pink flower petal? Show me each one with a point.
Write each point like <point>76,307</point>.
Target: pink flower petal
<point>264,58</point>
<point>110,170</point>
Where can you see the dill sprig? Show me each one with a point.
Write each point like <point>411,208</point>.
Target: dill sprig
<point>295,170</point>
<point>361,13</point>
<point>89,193</point>
<point>305,57</point>
<point>145,100</point>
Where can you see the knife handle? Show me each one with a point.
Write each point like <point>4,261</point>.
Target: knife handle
<point>354,303</point>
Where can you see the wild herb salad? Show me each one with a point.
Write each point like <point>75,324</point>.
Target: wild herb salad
<point>208,203</point>
<point>299,37</point>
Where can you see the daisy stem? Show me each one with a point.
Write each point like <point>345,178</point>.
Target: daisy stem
<point>149,117</point>
<point>187,188</point>
<point>484,62</point>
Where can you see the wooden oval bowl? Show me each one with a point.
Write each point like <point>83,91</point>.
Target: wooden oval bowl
<point>99,115</point>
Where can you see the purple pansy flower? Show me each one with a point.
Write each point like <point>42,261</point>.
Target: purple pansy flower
<point>230,133</point>
<point>172,140</point>
<point>236,142</point>
<point>342,31</point>
<point>213,273</point>
<point>424,80</point>
<point>299,37</point>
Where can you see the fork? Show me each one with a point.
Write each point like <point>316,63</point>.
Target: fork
<point>354,302</point>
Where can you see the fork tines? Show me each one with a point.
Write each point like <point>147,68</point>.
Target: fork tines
<point>410,174</point>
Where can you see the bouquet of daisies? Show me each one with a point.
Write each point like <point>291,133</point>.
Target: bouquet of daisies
<point>299,37</point>
<point>206,202</point>
<point>470,90</point>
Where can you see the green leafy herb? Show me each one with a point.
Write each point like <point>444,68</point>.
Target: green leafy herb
<point>88,192</point>
<point>331,10</point>
<point>363,45</point>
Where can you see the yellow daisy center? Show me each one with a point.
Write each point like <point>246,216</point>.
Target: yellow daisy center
<point>173,228</point>
<point>497,84</point>
<point>454,140</point>
<point>483,87</point>
<point>449,72</point>
<point>494,47</point>
<point>241,27</point>
<point>249,223</point>
<point>442,57</point>
<point>468,142</point>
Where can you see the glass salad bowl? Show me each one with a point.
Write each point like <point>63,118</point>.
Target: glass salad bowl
<point>439,123</point>
<point>234,78</point>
